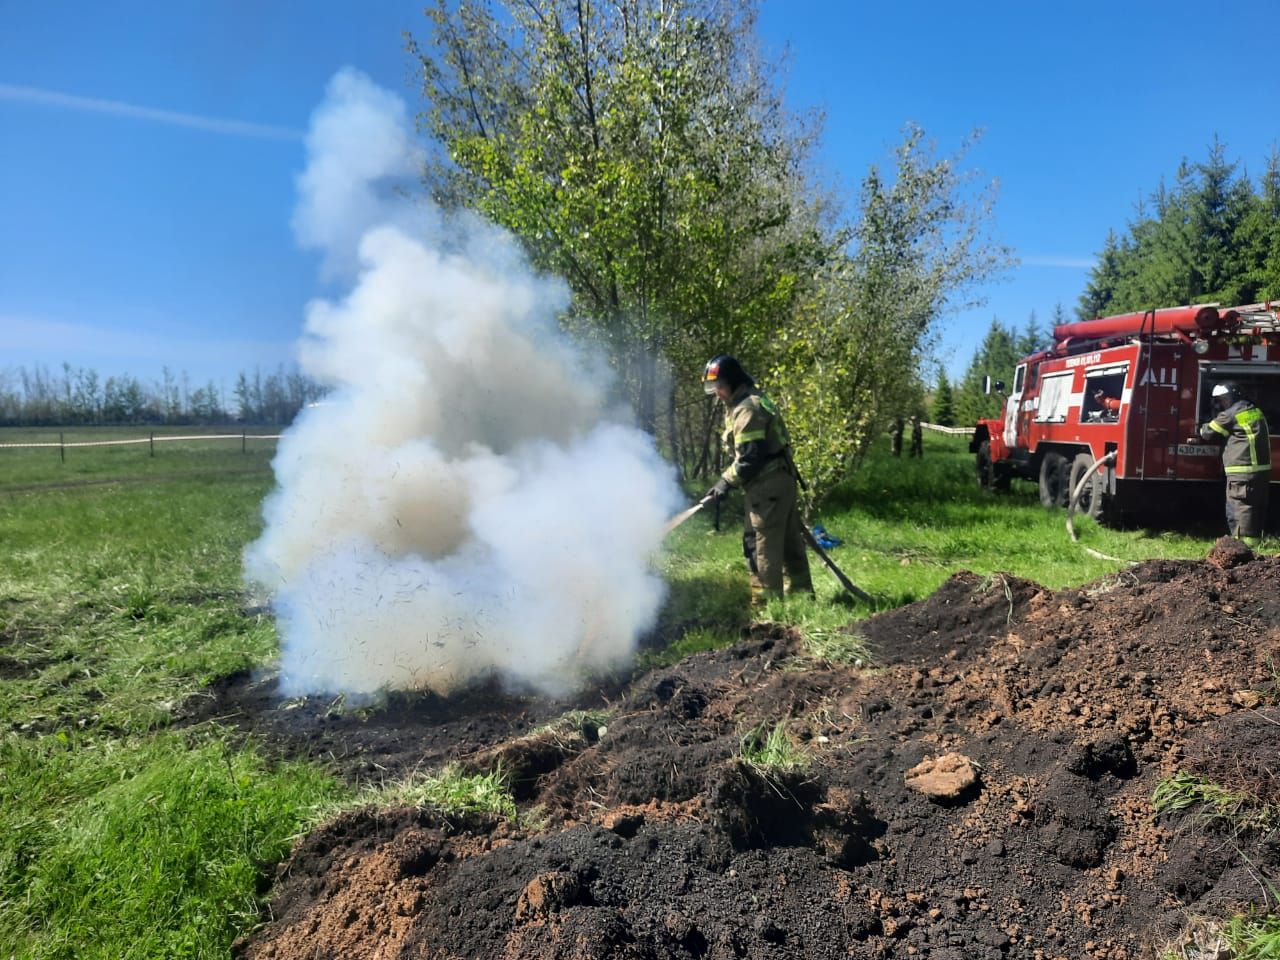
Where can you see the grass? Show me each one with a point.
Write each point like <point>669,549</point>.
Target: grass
<point>773,751</point>
<point>1184,792</point>
<point>115,604</point>
<point>128,463</point>
<point>693,640</point>
<point>450,791</point>
<point>836,646</point>
<point>141,847</point>
<point>574,722</point>
<point>907,525</point>
<point>1251,936</point>
<point>119,837</point>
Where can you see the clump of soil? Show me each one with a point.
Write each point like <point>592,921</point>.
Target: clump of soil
<point>1044,719</point>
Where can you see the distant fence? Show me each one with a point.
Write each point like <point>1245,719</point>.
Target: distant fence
<point>938,428</point>
<point>61,445</point>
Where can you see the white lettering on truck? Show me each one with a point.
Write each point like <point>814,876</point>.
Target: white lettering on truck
<point>1084,360</point>
<point>1163,377</point>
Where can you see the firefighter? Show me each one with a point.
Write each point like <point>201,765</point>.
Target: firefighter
<point>917,437</point>
<point>1246,460</point>
<point>773,538</point>
<point>895,437</point>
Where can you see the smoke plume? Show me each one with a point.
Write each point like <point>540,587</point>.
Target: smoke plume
<point>464,501</point>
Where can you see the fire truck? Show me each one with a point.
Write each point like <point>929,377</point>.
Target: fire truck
<point>1134,390</point>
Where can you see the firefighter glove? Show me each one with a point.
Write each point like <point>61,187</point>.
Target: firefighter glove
<point>719,491</point>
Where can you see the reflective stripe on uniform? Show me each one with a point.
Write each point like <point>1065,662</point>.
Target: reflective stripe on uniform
<point>1248,468</point>
<point>1215,425</point>
<point>1248,421</point>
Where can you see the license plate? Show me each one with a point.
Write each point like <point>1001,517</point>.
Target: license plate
<point>1197,450</point>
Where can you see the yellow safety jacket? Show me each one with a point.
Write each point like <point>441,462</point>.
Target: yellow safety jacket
<point>1243,428</point>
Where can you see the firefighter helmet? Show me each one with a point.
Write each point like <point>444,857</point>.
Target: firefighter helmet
<point>1224,390</point>
<point>724,368</point>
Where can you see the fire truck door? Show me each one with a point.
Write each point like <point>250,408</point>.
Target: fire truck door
<point>1159,448</point>
<point>1013,407</point>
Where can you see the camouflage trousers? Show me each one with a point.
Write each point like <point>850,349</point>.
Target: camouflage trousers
<point>773,537</point>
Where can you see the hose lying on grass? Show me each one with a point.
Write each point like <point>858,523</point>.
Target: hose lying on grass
<point>1074,500</point>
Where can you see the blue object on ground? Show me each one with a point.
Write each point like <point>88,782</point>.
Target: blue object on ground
<point>825,540</point>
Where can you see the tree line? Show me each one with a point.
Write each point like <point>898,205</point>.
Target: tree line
<point>79,396</point>
<point>996,357</point>
<point>1211,237</point>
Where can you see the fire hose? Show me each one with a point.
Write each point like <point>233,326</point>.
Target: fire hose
<point>809,538</point>
<point>1074,500</point>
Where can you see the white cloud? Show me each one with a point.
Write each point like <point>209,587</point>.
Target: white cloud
<point>53,98</point>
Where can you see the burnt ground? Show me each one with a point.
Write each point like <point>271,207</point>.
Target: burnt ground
<point>1057,712</point>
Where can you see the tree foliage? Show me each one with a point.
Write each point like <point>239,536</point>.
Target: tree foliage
<point>1213,237</point>
<point>851,355</point>
<point>942,407</point>
<point>640,149</point>
<point>637,149</point>
<point>997,357</point>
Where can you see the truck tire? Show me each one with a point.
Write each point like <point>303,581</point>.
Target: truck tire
<point>1054,474</point>
<point>991,475</point>
<point>983,465</point>
<point>1093,498</point>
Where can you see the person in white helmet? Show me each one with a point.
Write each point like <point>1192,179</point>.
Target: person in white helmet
<point>1246,460</point>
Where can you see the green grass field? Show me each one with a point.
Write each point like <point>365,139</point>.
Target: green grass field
<point>66,463</point>
<point>907,524</point>
<point>120,593</point>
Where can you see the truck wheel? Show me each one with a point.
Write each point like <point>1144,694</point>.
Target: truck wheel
<point>1093,498</point>
<point>991,476</point>
<point>983,464</point>
<point>1053,480</point>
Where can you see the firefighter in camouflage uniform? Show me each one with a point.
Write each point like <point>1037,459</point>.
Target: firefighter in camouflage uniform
<point>773,538</point>
<point>1246,460</point>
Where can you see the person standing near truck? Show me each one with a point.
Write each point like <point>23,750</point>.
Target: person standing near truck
<point>1246,460</point>
<point>773,536</point>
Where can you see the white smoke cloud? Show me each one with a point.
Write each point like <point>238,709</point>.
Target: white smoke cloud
<point>462,503</point>
<point>361,160</point>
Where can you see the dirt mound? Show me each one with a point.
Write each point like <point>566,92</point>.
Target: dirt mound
<point>1041,722</point>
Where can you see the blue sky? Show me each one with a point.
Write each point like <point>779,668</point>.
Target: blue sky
<point>148,151</point>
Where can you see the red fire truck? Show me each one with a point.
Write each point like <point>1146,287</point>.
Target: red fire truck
<point>1136,386</point>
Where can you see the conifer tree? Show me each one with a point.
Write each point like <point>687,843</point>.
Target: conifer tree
<point>943,410</point>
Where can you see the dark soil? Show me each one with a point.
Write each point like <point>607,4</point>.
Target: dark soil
<point>393,738</point>
<point>652,840</point>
